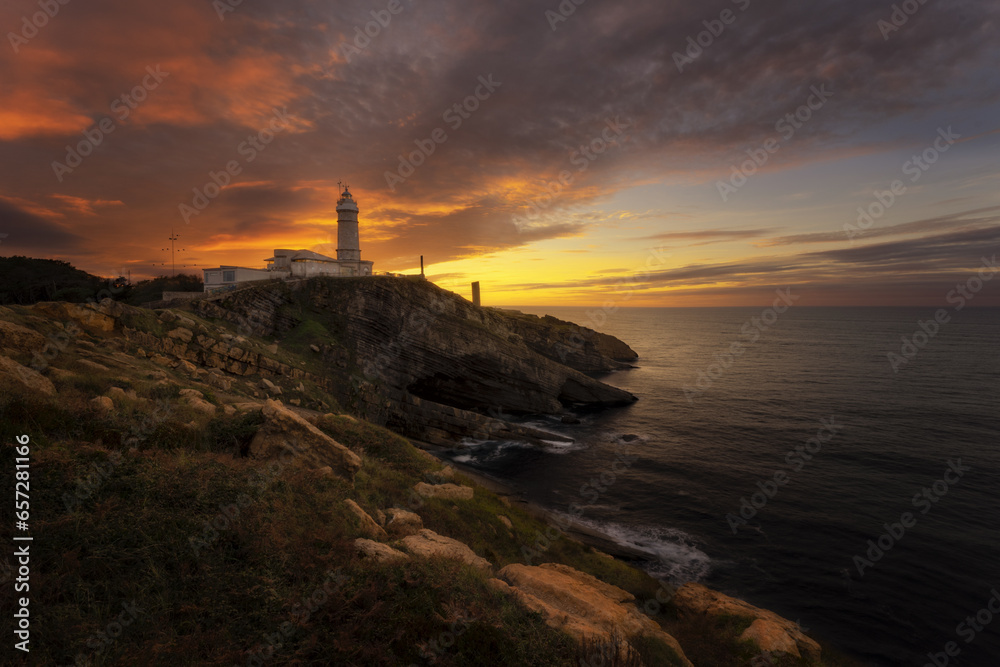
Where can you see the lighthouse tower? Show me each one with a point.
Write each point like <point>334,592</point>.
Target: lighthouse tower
<point>348,244</point>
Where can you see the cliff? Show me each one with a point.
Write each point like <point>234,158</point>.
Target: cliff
<point>200,496</point>
<point>426,362</point>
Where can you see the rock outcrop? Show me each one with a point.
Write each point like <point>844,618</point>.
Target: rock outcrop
<point>367,524</point>
<point>411,340</point>
<point>446,491</point>
<point>402,522</point>
<point>428,544</point>
<point>770,631</point>
<point>20,339</point>
<point>25,379</point>
<point>380,553</point>
<point>570,344</point>
<point>581,605</point>
<point>90,316</point>
<point>285,434</point>
<point>402,353</point>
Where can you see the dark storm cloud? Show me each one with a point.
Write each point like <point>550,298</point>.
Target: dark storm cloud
<point>557,91</point>
<point>955,250</point>
<point>28,233</point>
<point>971,218</point>
<point>709,236</point>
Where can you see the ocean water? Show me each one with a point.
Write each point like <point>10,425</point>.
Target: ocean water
<point>836,444</point>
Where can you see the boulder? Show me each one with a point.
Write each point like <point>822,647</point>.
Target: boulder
<point>582,605</point>
<point>117,394</point>
<point>92,366</point>
<point>770,637</point>
<point>181,333</point>
<point>201,405</point>
<point>218,381</point>
<point>102,404</point>
<point>446,474</point>
<point>191,393</point>
<point>270,387</point>
<point>695,598</point>
<point>21,339</point>
<point>285,432</point>
<point>505,521</point>
<point>87,315</point>
<point>403,522</point>
<point>13,374</point>
<point>428,544</point>
<point>367,524</point>
<point>445,491</point>
<point>380,553</point>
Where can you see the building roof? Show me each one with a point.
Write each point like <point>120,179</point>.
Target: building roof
<point>305,254</point>
<point>309,254</point>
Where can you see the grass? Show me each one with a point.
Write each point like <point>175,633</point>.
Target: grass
<point>257,555</point>
<point>220,556</point>
<point>144,320</point>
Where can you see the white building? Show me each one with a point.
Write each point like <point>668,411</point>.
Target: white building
<point>287,264</point>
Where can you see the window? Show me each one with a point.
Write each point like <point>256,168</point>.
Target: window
<point>229,276</point>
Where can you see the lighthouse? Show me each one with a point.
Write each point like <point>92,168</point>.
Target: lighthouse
<point>348,244</point>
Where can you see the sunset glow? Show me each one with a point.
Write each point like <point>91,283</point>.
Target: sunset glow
<point>571,162</point>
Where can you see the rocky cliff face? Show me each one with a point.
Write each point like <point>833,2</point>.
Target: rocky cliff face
<point>577,347</point>
<point>403,353</point>
<point>425,361</point>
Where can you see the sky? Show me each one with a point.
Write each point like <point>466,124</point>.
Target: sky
<point>628,153</point>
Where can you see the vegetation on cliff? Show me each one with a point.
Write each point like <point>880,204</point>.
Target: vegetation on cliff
<point>160,539</point>
<point>26,280</point>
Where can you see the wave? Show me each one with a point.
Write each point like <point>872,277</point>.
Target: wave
<point>672,553</point>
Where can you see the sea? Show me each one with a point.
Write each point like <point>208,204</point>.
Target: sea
<point>791,460</point>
